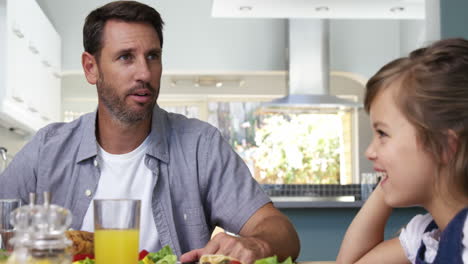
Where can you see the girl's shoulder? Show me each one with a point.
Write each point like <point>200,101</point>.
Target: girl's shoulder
<point>418,224</point>
<point>412,234</point>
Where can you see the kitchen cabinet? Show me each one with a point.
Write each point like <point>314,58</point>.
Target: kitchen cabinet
<point>30,67</point>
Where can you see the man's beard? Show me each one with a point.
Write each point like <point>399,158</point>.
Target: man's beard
<point>116,105</point>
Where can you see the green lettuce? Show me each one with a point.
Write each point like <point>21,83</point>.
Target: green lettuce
<point>273,260</point>
<point>3,254</point>
<point>85,261</point>
<point>165,255</point>
<point>168,259</point>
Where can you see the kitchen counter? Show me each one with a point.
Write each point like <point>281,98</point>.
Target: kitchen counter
<point>317,202</point>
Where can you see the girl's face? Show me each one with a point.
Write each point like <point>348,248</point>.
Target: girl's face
<point>409,171</point>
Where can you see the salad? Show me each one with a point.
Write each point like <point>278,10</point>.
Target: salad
<point>163,256</point>
<point>273,260</point>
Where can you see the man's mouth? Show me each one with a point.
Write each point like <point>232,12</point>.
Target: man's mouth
<point>141,96</point>
<point>141,92</point>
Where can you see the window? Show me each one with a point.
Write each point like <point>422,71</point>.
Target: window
<point>286,147</point>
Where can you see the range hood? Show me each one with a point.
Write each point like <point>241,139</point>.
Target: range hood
<point>308,75</point>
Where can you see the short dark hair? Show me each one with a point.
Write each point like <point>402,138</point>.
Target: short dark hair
<point>128,11</point>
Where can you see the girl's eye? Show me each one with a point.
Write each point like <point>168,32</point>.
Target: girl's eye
<point>381,133</point>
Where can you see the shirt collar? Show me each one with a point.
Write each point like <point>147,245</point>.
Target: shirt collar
<point>88,146</point>
<point>157,144</point>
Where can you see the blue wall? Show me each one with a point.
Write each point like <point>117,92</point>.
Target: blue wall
<point>453,18</point>
<point>322,229</point>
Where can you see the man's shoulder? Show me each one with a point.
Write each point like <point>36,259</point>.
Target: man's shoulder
<point>183,125</point>
<point>63,130</point>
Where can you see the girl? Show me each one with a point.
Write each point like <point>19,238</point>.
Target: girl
<point>418,107</point>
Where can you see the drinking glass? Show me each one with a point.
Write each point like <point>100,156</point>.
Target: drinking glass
<point>116,231</point>
<point>6,229</point>
<point>368,182</point>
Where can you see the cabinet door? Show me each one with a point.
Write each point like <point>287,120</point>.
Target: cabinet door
<point>32,67</point>
<point>17,66</point>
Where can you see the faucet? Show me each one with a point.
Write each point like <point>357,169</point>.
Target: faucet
<point>3,153</point>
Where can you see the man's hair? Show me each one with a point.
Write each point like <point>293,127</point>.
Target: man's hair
<point>433,95</point>
<point>128,11</point>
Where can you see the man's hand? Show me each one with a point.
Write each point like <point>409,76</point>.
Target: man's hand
<point>245,249</point>
<point>267,232</point>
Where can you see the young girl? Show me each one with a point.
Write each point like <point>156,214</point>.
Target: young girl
<point>418,107</point>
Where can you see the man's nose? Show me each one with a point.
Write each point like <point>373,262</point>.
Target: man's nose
<point>143,72</point>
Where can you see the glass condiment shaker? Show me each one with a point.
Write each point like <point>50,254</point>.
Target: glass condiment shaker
<point>40,234</point>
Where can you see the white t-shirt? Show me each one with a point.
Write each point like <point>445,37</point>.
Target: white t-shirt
<point>413,234</point>
<point>125,176</point>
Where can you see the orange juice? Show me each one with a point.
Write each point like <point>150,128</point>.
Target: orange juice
<point>116,246</point>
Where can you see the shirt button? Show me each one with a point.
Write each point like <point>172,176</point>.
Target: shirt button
<point>96,163</point>
<point>88,192</point>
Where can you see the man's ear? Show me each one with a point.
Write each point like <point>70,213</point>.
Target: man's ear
<point>452,141</point>
<point>90,67</point>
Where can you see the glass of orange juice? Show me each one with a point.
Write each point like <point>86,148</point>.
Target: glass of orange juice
<point>116,231</point>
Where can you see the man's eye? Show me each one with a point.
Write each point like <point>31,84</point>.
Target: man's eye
<point>153,56</point>
<point>124,57</point>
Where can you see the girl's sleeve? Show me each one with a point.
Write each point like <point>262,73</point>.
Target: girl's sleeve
<point>411,235</point>
<point>465,241</point>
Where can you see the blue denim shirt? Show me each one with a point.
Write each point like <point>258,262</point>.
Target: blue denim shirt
<point>200,181</point>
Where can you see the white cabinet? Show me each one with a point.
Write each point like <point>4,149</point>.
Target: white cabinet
<point>29,67</point>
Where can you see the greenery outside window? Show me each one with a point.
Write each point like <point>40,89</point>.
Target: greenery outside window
<point>285,148</point>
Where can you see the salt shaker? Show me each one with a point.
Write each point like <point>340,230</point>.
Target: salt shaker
<point>40,233</point>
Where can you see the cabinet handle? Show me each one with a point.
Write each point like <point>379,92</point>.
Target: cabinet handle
<point>45,118</point>
<point>18,32</point>
<point>33,49</point>
<point>46,63</point>
<point>32,109</point>
<point>18,99</point>
<point>57,75</point>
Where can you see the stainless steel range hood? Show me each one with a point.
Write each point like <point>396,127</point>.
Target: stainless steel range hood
<point>308,78</point>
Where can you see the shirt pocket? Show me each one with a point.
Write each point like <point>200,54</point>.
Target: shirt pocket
<point>192,228</point>
<point>192,216</point>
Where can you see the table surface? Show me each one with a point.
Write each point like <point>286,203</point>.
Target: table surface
<point>316,262</point>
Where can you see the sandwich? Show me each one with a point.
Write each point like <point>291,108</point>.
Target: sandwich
<point>218,259</point>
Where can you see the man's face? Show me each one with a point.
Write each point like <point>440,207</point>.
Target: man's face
<point>129,69</point>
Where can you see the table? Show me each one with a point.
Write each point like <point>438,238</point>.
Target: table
<point>316,262</point>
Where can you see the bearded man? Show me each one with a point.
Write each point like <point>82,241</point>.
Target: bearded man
<point>188,178</point>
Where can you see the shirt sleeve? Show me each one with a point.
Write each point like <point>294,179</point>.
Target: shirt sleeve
<point>233,195</point>
<point>411,236</point>
<point>19,178</point>
<point>465,241</point>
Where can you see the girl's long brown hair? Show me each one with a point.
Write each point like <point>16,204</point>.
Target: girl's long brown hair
<point>433,96</point>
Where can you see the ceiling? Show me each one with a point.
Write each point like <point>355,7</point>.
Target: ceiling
<point>334,9</point>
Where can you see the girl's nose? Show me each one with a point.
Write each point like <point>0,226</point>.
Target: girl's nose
<point>371,154</point>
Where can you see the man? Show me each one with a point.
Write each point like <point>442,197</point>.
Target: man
<point>187,176</point>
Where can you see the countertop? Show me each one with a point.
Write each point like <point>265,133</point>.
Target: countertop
<point>315,202</point>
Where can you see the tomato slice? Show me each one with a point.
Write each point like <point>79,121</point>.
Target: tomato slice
<point>82,257</point>
<point>142,254</point>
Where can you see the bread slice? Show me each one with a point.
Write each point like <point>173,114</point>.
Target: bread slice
<point>218,259</point>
